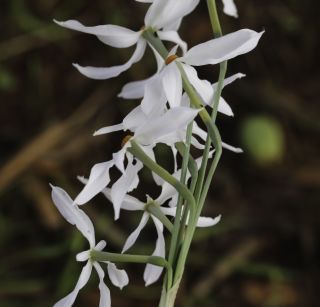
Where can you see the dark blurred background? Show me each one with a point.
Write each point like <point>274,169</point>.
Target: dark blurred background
<point>265,251</point>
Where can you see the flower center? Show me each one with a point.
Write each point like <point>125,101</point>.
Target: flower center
<point>170,59</point>
<point>125,140</point>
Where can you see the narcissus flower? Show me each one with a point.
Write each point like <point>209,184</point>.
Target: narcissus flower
<point>77,217</point>
<point>163,17</point>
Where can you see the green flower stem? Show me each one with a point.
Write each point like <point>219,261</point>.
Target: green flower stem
<point>115,257</point>
<point>185,161</point>
<point>127,258</point>
<point>201,191</point>
<point>153,208</point>
<point>156,43</point>
<point>214,18</point>
<point>192,165</point>
<point>138,152</point>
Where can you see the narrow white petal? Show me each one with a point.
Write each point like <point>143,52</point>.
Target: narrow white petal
<point>153,272</point>
<point>112,35</point>
<point>105,298</point>
<point>83,256</point>
<point>150,153</point>
<point>165,12</point>
<point>232,148</point>
<point>224,107</point>
<point>208,221</point>
<point>129,202</point>
<point>173,26</point>
<point>223,48</point>
<point>173,121</point>
<point>126,183</point>
<point>101,245</point>
<point>109,129</point>
<point>229,80</point>
<point>102,73</point>
<point>169,211</point>
<point>173,36</point>
<point>172,84</point>
<point>118,277</point>
<point>73,214</point>
<point>135,234</point>
<point>118,158</point>
<point>135,90</point>
<point>229,8</point>
<point>160,61</point>
<point>83,279</point>
<point>154,100</point>
<point>134,119</point>
<point>203,87</point>
<point>99,178</point>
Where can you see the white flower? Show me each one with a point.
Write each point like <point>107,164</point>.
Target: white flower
<point>211,52</point>
<point>163,16</point>
<point>77,217</point>
<point>130,203</point>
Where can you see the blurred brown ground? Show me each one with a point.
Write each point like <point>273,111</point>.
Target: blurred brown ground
<point>265,252</point>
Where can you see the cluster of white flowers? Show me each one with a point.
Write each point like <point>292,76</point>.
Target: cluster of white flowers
<point>162,117</point>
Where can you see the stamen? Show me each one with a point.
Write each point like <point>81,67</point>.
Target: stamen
<point>170,59</point>
<point>125,140</point>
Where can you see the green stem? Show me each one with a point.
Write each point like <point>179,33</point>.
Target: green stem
<point>137,151</point>
<point>214,18</point>
<point>156,43</point>
<point>114,257</point>
<point>154,209</point>
<point>186,154</point>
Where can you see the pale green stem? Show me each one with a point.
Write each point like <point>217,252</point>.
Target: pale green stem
<point>154,209</point>
<point>138,152</point>
<point>173,244</point>
<point>127,258</point>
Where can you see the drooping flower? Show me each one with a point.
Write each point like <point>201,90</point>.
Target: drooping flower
<point>130,203</point>
<point>163,126</point>
<point>75,216</point>
<point>163,17</point>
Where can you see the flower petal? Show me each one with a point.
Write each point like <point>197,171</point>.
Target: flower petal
<point>134,119</point>
<point>173,121</point>
<point>82,281</point>
<point>154,100</point>
<point>109,129</point>
<point>173,36</point>
<point>223,48</point>
<point>164,12</point>
<point>203,87</point>
<point>172,84</point>
<point>105,298</point>
<point>152,272</point>
<point>112,35</point>
<point>135,234</point>
<point>99,178</point>
<point>126,183</point>
<point>232,148</point>
<point>135,90</point>
<point>102,73</point>
<point>229,8</point>
<point>229,80</point>
<point>118,277</point>
<point>208,221</point>
<point>73,214</point>
<point>129,202</point>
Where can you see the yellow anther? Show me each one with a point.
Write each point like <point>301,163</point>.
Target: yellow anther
<point>170,59</point>
<point>126,139</point>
